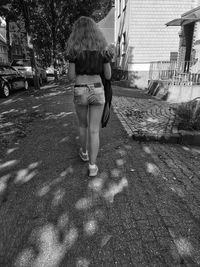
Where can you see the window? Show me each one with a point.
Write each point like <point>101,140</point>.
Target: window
<point>173,56</point>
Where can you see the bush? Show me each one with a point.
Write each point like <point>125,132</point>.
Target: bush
<point>188,115</point>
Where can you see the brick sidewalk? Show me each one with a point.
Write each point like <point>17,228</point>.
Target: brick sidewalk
<point>144,116</point>
<point>142,210</point>
<point>150,119</point>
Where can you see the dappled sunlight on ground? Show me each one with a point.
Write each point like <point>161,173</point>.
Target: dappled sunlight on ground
<point>142,206</point>
<point>149,119</point>
<point>65,139</point>
<point>185,250</point>
<point>97,183</point>
<point>146,149</point>
<point>194,150</point>
<point>184,246</point>
<point>43,191</point>
<point>53,241</point>
<point>122,152</point>
<point>25,175</point>
<point>11,101</point>
<point>120,162</point>
<point>58,116</point>
<point>3,182</point>
<point>51,94</point>
<point>51,249</point>
<point>82,262</point>
<point>46,188</point>
<point>58,197</point>
<point>90,227</point>
<point>36,107</point>
<point>6,125</point>
<point>10,111</point>
<point>177,190</point>
<point>152,168</point>
<point>84,203</point>
<point>115,173</point>
<point>11,150</point>
<point>20,176</point>
<point>11,132</point>
<point>115,189</point>
<point>8,164</point>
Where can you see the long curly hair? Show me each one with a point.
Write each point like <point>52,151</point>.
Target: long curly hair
<point>85,35</point>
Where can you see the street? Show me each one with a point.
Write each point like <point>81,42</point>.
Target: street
<point>143,208</point>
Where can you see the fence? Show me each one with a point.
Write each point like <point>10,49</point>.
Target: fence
<point>175,72</point>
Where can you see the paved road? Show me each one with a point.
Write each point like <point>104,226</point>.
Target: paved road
<point>141,210</point>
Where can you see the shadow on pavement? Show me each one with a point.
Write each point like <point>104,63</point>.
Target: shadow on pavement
<point>136,212</point>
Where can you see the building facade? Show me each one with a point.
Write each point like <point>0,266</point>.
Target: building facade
<point>142,37</point>
<point>3,50</point>
<point>183,76</point>
<point>18,40</point>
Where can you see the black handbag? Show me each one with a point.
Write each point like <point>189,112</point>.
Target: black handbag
<point>108,101</point>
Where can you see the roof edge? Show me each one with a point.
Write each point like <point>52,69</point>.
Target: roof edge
<point>190,11</point>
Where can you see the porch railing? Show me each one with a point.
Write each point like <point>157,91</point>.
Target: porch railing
<point>175,72</point>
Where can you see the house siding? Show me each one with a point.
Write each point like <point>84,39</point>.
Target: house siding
<point>148,34</point>
<point>147,37</point>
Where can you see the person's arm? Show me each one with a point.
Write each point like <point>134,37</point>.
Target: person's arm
<point>107,70</point>
<point>71,71</point>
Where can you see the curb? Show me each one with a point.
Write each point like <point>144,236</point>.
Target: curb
<point>190,138</point>
<point>173,138</point>
<point>186,138</point>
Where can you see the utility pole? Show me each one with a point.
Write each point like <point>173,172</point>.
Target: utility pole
<point>26,16</point>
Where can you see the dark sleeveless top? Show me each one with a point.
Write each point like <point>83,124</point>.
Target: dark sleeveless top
<point>89,62</point>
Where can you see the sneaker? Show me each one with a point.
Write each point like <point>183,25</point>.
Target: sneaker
<point>93,170</point>
<point>83,156</point>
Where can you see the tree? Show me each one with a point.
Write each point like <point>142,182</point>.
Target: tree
<point>8,13</point>
<point>26,9</point>
<point>53,20</point>
<point>49,23</point>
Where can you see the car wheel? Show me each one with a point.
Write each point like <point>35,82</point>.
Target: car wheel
<point>5,90</point>
<point>26,86</point>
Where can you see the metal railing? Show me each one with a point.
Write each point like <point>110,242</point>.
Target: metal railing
<point>175,72</point>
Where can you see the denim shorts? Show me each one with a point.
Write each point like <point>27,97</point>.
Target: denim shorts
<point>89,94</point>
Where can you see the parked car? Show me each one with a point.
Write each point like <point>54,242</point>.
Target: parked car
<point>24,66</point>
<point>10,80</point>
<point>50,73</point>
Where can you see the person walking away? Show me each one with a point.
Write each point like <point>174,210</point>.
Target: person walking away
<point>86,48</point>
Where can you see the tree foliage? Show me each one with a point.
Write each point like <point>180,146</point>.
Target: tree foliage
<point>51,21</point>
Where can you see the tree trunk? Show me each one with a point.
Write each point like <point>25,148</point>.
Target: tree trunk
<point>34,70</point>
<point>26,16</point>
<point>53,31</point>
<point>8,40</point>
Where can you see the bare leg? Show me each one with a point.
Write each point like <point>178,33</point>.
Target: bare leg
<point>82,112</point>
<point>95,114</point>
